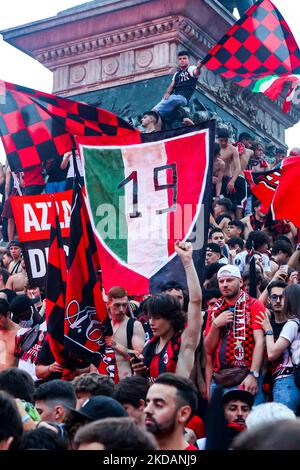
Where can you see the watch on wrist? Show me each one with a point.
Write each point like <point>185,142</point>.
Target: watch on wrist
<point>254,374</point>
<point>269,333</point>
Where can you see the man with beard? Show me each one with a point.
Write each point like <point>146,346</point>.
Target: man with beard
<point>170,404</point>
<point>237,406</point>
<point>234,340</point>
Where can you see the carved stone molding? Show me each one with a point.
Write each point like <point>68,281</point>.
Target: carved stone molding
<point>177,27</point>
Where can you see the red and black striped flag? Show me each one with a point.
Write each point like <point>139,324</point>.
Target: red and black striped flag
<point>37,126</point>
<point>86,318</point>
<point>56,289</point>
<point>258,52</point>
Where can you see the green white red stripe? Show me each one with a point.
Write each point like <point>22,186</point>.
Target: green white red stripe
<point>145,243</point>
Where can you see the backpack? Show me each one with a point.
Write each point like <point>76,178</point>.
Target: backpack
<point>29,339</point>
<point>129,332</point>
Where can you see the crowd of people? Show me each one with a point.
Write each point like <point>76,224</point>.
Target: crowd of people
<point>175,357</point>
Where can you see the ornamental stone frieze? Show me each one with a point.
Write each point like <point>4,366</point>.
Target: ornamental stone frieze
<point>120,54</point>
<point>93,61</point>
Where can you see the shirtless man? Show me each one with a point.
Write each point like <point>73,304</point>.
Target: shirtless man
<point>15,249</point>
<point>218,170</point>
<point>245,150</point>
<point>8,331</point>
<point>257,163</point>
<point>232,179</point>
<point>118,305</point>
<point>255,220</point>
<point>18,282</point>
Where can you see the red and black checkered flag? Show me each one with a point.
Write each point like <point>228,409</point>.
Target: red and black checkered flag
<point>278,189</point>
<point>86,318</point>
<point>56,289</point>
<point>37,126</point>
<point>258,52</point>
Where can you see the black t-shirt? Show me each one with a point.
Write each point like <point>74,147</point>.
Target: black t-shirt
<point>185,84</point>
<point>45,358</point>
<point>55,172</point>
<point>221,217</point>
<point>277,327</point>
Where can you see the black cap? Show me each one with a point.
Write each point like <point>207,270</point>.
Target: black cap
<point>169,285</point>
<point>21,303</point>
<point>214,247</point>
<point>238,394</point>
<point>100,407</point>
<point>15,243</point>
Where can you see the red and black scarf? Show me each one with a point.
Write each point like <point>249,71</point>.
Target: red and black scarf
<point>236,344</point>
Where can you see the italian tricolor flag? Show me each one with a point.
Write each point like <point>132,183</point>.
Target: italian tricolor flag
<point>272,87</point>
<point>141,199</point>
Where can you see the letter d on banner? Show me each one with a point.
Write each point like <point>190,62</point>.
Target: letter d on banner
<point>37,263</point>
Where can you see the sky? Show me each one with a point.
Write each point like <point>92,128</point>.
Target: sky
<point>17,67</point>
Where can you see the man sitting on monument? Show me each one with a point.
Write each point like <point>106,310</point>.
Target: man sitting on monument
<point>180,89</point>
<point>151,121</point>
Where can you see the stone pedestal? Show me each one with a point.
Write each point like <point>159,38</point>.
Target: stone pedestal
<point>120,55</point>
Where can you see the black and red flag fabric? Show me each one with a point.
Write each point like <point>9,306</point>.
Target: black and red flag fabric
<point>86,318</point>
<point>56,289</point>
<point>259,52</point>
<point>37,126</point>
<point>278,189</point>
<point>142,198</point>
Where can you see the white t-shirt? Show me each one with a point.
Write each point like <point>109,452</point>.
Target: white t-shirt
<point>290,331</point>
<point>240,262</point>
<point>71,172</point>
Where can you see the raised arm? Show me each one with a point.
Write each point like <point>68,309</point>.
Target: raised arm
<point>237,169</point>
<point>190,336</point>
<point>7,181</point>
<point>198,69</point>
<point>65,160</point>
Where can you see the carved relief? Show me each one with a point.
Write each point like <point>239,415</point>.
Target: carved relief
<point>77,74</point>
<point>110,66</point>
<point>144,58</point>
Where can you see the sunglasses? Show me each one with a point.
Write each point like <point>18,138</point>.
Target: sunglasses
<point>274,297</point>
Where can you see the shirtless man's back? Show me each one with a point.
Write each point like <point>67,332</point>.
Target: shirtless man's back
<point>18,282</point>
